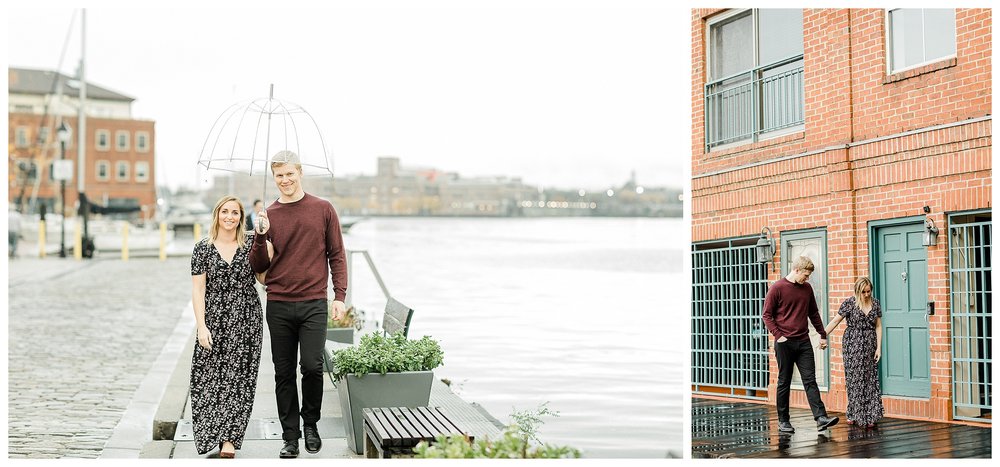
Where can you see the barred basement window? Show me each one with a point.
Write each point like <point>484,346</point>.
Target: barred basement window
<point>971,276</point>
<point>729,353</point>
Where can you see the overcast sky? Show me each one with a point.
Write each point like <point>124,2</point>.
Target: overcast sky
<point>561,95</point>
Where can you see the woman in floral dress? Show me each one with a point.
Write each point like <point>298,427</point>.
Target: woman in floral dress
<point>229,319</point>
<point>862,351</point>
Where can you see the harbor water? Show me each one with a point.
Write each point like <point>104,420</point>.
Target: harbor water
<point>584,314</point>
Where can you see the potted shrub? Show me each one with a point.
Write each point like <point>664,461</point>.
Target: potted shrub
<point>342,330</point>
<point>383,371</point>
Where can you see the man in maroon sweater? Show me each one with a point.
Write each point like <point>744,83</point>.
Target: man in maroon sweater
<point>788,308</point>
<point>306,247</point>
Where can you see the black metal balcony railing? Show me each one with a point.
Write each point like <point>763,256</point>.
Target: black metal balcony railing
<point>746,105</point>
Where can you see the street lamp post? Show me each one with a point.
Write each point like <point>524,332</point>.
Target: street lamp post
<point>64,134</point>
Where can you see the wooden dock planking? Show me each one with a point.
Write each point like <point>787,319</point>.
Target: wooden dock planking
<point>728,429</point>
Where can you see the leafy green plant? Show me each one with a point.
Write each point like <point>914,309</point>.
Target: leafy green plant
<point>379,354</point>
<point>346,322</point>
<point>518,441</point>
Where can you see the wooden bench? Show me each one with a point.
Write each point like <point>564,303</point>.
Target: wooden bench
<point>394,431</point>
<point>395,319</point>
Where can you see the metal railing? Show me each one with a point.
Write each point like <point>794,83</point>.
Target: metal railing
<point>746,105</point>
<point>969,248</point>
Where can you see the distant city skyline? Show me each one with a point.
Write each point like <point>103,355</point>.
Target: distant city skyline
<point>558,95</point>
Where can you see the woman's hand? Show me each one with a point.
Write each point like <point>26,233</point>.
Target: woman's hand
<point>878,355</point>
<point>205,338</point>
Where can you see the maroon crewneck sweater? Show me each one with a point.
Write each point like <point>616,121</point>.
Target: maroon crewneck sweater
<point>788,309</point>
<point>307,246</point>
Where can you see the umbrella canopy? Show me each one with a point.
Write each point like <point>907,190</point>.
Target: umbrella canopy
<point>247,134</point>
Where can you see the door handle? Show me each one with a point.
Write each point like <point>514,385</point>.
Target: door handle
<point>904,276</point>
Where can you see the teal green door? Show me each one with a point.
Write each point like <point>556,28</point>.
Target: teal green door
<point>901,275</point>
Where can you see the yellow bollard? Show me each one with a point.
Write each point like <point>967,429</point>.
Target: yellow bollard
<point>41,239</point>
<point>124,240</point>
<point>163,241</point>
<point>197,232</point>
<point>77,242</point>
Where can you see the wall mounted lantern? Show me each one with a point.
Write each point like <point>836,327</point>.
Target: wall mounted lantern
<point>765,246</point>
<point>930,229</point>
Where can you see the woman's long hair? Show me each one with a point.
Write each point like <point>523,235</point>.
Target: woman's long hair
<point>860,285</point>
<point>213,232</point>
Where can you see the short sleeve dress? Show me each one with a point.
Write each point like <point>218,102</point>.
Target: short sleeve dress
<point>864,395</point>
<point>223,380</point>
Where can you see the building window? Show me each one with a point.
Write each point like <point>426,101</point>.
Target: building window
<point>121,140</point>
<point>121,171</point>
<point>919,36</point>
<point>21,137</point>
<point>142,171</point>
<point>103,142</point>
<point>142,141</point>
<point>755,65</point>
<point>811,244</point>
<point>28,169</point>
<point>103,171</point>
<point>43,135</point>
<point>729,352</point>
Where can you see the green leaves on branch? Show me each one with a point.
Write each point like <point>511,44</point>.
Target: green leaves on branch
<point>518,441</point>
<point>392,354</point>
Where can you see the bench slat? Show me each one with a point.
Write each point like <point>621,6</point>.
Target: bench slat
<point>380,423</point>
<point>420,430</point>
<point>405,438</point>
<point>449,425</point>
<point>424,413</point>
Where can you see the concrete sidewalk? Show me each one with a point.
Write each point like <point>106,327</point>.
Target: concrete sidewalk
<point>263,435</point>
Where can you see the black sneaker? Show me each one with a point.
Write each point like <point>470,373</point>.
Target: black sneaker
<point>290,450</point>
<point>823,423</point>
<point>786,427</point>
<point>313,441</point>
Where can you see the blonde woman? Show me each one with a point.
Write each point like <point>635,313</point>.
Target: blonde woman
<point>228,313</point>
<point>862,351</point>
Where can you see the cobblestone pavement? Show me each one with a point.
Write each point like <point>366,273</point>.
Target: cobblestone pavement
<point>82,336</point>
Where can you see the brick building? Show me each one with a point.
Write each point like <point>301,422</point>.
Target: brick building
<point>120,150</point>
<point>827,132</point>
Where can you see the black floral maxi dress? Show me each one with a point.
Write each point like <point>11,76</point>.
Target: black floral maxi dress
<point>864,395</point>
<point>224,379</point>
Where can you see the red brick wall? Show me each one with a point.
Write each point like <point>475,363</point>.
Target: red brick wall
<point>96,190</point>
<point>833,175</point>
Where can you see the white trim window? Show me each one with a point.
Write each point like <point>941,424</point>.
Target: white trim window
<point>142,171</point>
<point>43,135</point>
<point>754,60</point>
<point>102,141</point>
<point>142,141</point>
<point>122,140</point>
<point>21,137</point>
<point>102,170</point>
<point>916,37</point>
<point>121,171</point>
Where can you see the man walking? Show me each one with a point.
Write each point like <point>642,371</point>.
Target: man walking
<point>788,308</point>
<point>254,213</point>
<point>307,246</point>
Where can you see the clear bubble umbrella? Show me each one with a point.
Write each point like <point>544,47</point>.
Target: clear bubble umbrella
<point>247,134</point>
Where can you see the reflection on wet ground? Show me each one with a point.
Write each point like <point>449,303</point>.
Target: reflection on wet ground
<point>727,429</point>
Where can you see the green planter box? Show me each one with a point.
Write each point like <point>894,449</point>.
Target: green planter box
<point>406,389</point>
<point>344,335</point>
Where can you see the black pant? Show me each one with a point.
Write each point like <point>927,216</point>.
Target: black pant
<point>799,353</point>
<point>297,327</point>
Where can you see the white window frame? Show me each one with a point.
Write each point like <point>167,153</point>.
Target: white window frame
<point>107,140</point>
<point>707,41</point>
<point>889,45</point>
<point>142,176</point>
<point>43,135</point>
<point>106,165</point>
<point>139,136</point>
<point>21,139</point>
<point>119,176</point>
<point>122,143</point>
